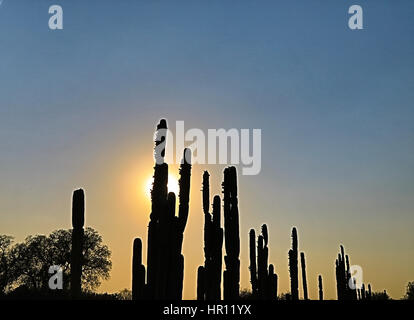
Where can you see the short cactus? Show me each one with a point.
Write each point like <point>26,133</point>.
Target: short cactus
<point>263,278</point>
<point>138,271</point>
<point>320,287</point>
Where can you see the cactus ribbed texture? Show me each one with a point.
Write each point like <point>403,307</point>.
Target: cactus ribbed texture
<point>320,287</point>
<point>264,280</point>
<point>78,221</point>
<point>138,271</point>
<point>304,282</point>
<point>343,277</point>
<point>231,275</point>
<point>293,266</point>
<point>165,263</point>
<point>213,243</point>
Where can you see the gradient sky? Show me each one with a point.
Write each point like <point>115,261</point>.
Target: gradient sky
<point>78,109</point>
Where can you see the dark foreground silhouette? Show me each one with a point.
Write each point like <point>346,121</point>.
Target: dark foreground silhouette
<point>85,260</point>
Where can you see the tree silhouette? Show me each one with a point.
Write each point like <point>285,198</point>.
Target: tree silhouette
<point>246,294</point>
<point>33,257</point>
<point>31,261</point>
<point>6,263</point>
<point>380,295</point>
<point>124,294</point>
<point>409,294</point>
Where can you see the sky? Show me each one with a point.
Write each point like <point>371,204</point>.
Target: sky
<point>78,108</point>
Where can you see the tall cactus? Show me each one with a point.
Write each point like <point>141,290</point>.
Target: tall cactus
<point>264,280</point>
<point>293,266</point>
<point>253,266</point>
<point>213,243</point>
<point>138,271</point>
<point>78,221</point>
<point>369,292</point>
<point>320,287</point>
<point>176,275</point>
<point>363,292</point>
<point>159,194</point>
<point>231,275</point>
<point>343,277</point>
<point>262,262</point>
<point>340,275</point>
<point>304,282</point>
<point>165,263</point>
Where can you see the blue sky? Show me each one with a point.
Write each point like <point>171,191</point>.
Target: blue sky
<point>335,107</point>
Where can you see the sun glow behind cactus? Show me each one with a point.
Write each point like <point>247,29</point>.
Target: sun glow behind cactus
<point>172,185</point>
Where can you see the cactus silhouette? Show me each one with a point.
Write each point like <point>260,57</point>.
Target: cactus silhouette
<point>261,266</point>
<point>138,271</point>
<point>213,242</point>
<point>253,266</point>
<point>231,275</point>
<point>78,221</point>
<point>164,274</point>
<point>343,277</point>
<point>363,294</point>
<point>272,283</point>
<point>305,284</point>
<point>293,266</point>
<point>320,287</point>
<point>165,263</point>
<point>262,278</point>
<point>262,262</point>
<point>159,194</point>
<point>201,281</point>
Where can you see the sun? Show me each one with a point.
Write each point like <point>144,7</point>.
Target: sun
<point>172,185</point>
